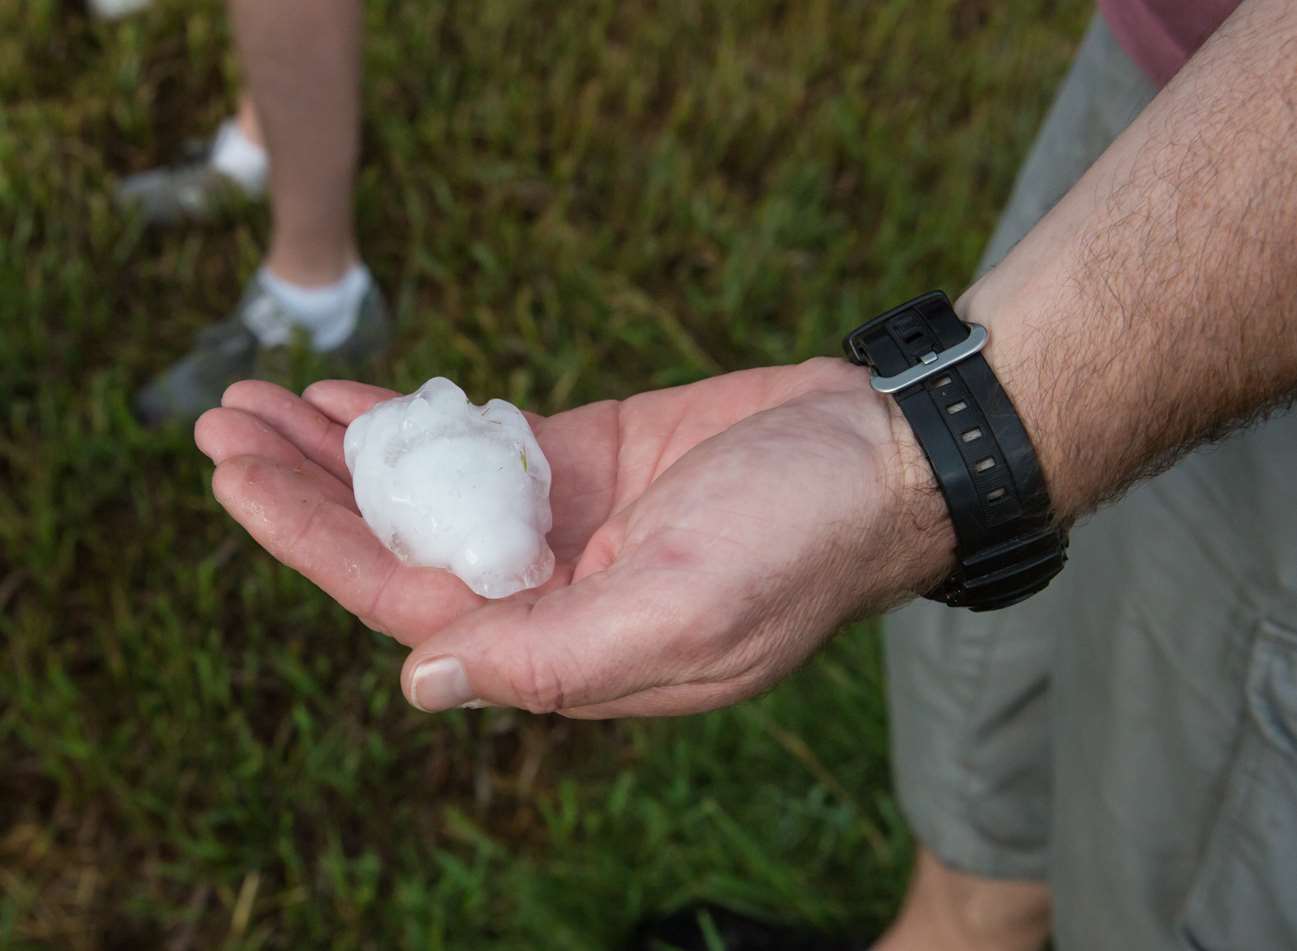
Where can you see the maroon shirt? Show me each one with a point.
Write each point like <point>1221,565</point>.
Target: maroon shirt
<point>1161,35</point>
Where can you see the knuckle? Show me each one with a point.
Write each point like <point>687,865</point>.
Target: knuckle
<point>229,479</point>
<point>538,685</point>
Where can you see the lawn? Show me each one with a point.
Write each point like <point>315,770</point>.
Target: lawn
<point>565,202</point>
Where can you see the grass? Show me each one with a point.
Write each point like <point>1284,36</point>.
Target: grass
<point>565,201</point>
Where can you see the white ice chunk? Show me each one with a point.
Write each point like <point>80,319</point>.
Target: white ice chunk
<point>446,484</point>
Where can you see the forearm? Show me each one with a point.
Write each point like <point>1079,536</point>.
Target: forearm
<point>1156,306</point>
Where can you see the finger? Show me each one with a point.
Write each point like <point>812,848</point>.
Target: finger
<point>581,446</point>
<point>344,400</point>
<point>607,637</point>
<point>675,701</point>
<point>288,515</point>
<point>315,435</point>
<point>224,433</point>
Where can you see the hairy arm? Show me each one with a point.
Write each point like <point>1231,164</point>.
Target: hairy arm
<point>1155,307</point>
<point>1151,310</point>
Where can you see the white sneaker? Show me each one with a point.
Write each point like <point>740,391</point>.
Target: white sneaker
<point>230,169</point>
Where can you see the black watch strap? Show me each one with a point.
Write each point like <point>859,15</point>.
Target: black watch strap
<point>1009,545</point>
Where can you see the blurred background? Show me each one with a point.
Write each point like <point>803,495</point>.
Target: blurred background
<point>565,201</point>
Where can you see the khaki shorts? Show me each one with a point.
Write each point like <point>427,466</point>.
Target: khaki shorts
<point>1130,735</point>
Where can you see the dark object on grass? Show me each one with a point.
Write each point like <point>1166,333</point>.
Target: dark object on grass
<point>705,927</point>
<point>228,351</point>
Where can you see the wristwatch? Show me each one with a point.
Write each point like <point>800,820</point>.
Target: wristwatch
<point>1009,544</point>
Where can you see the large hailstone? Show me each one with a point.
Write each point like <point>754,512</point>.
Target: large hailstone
<point>446,484</point>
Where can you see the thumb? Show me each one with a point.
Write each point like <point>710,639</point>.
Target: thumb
<point>601,639</point>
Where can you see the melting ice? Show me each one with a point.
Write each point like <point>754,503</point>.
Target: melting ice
<point>446,484</point>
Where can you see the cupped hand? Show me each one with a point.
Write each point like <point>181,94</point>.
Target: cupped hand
<point>708,537</point>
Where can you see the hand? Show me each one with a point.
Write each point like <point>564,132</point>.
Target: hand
<point>708,538</point>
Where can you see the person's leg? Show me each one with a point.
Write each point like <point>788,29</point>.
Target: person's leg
<point>301,59</point>
<point>969,695</point>
<point>302,64</point>
<point>1172,725</point>
<point>948,910</point>
<point>301,107</point>
<point>248,122</point>
<point>1174,821</point>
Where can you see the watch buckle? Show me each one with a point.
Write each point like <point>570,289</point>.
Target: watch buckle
<point>931,363</point>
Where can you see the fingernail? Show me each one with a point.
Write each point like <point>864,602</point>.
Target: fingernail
<point>440,684</point>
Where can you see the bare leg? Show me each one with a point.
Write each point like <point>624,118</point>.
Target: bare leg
<point>248,122</point>
<point>302,63</point>
<point>947,910</point>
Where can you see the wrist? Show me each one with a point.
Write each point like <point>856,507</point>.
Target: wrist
<point>921,525</point>
<point>910,536</point>
<point>993,509</point>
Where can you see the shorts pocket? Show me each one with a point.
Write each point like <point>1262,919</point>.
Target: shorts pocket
<point>1244,895</point>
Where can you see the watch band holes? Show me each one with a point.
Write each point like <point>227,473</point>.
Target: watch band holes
<point>954,408</point>
<point>972,435</point>
<point>942,383</point>
<point>996,494</point>
<point>985,465</point>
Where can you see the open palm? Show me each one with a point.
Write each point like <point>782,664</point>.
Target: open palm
<point>707,539</point>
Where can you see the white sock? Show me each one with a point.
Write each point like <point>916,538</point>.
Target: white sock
<point>238,157</point>
<point>115,9</point>
<point>327,313</point>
